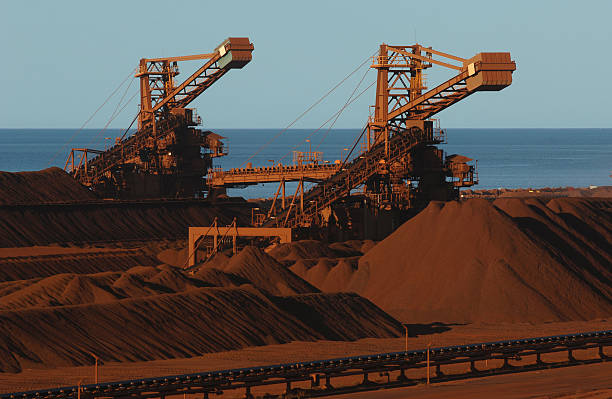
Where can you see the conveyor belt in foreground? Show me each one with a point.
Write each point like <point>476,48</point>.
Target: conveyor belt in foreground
<point>319,375</point>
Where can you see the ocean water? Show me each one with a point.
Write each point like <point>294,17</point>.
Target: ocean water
<point>510,158</point>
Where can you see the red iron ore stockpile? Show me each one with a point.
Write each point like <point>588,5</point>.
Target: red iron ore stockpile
<point>148,313</point>
<point>47,185</point>
<point>508,260</point>
<point>513,260</point>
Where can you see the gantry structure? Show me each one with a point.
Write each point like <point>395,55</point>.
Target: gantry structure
<point>401,165</point>
<point>397,164</point>
<point>167,156</point>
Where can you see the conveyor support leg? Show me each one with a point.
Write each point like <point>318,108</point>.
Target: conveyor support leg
<point>570,356</point>
<point>602,355</point>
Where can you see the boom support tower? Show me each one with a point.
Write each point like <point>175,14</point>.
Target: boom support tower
<point>400,166</point>
<point>168,156</point>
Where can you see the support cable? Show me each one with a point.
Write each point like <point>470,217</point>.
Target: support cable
<point>348,101</point>
<point>113,118</point>
<point>354,145</point>
<point>90,118</point>
<point>332,117</point>
<point>365,128</point>
<point>307,110</point>
<point>129,127</point>
<point>127,89</point>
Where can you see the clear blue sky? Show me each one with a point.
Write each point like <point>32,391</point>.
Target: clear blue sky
<point>61,59</point>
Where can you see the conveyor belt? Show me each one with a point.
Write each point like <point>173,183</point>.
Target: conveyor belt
<point>350,176</point>
<point>323,370</point>
<point>272,174</point>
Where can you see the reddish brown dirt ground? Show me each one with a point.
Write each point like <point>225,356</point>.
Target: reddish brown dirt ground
<point>580,382</point>
<point>160,313</point>
<point>461,272</point>
<point>513,260</point>
<point>48,185</point>
<point>34,378</point>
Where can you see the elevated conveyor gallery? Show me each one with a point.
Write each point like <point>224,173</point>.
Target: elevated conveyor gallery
<point>325,376</point>
<point>271,174</point>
